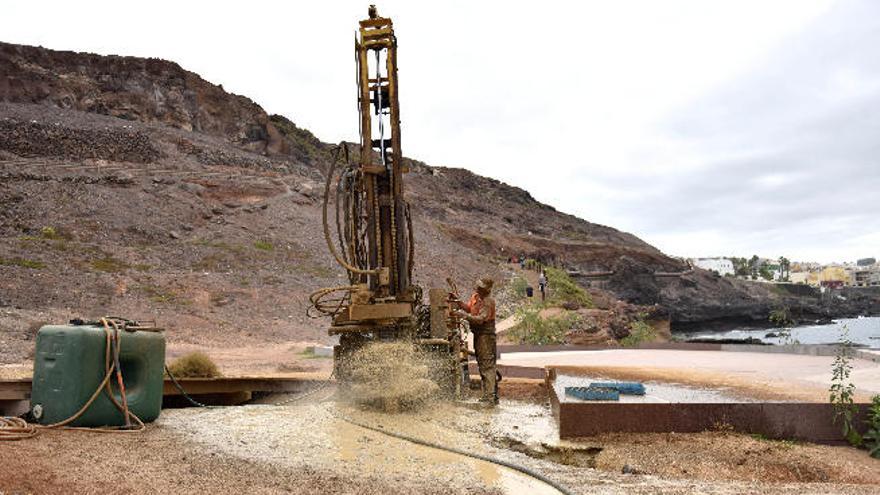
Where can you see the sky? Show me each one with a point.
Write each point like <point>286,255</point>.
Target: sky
<point>707,128</point>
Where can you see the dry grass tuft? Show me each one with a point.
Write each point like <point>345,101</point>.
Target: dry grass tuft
<point>194,365</point>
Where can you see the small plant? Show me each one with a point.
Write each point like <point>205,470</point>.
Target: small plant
<point>842,389</point>
<point>50,233</point>
<point>872,436</point>
<point>109,264</point>
<point>639,332</point>
<point>781,318</point>
<point>533,329</point>
<point>194,365</point>
<point>24,263</point>
<point>264,245</point>
<point>162,296</point>
<point>309,353</point>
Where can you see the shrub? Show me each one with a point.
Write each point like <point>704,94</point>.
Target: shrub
<point>872,436</point>
<point>565,290</point>
<point>531,328</point>
<point>639,332</point>
<point>842,389</point>
<point>194,365</point>
<point>781,317</point>
<point>518,286</point>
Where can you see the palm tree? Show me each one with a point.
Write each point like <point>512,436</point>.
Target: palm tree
<point>784,268</point>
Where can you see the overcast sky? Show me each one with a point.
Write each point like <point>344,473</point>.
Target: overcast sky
<point>706,128</point>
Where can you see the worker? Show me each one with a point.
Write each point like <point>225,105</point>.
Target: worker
<point>479,311</point>
<point>542,284</point>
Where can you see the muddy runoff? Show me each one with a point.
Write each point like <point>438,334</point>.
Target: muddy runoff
<point>315,436</point>
<point>391,389</point>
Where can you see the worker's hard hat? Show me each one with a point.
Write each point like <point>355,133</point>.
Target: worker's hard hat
<point>485,283</point>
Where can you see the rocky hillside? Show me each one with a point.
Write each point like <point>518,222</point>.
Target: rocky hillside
<point>132,186</point>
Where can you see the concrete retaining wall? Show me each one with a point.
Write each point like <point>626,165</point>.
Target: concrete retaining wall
<point>812,422</point>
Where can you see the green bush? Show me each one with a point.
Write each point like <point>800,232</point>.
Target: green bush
<point>194,365</point>
<point>872,437</point>
<point>534,330</point>
<point>639,332</point>
<point>518,286</point>
<point>781,317</point>
<point>562,289</point>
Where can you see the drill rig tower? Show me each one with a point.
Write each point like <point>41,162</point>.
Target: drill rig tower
<point>374,231</point>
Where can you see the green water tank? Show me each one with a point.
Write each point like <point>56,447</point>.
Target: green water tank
<point>69,366</point>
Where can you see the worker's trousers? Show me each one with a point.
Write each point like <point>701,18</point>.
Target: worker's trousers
<point>485,347</point>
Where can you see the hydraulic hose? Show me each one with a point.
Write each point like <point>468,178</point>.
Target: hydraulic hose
<point>330,246</point>
<point>180,389</point>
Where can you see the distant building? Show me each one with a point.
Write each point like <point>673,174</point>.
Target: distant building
<point>801,277</point>
<point>722,266</point>
<point>866,276</point>
<point>834,277</point>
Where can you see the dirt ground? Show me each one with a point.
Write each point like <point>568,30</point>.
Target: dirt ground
<point>307,447</point>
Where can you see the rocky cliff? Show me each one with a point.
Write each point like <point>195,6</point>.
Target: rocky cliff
<point>132,186</point>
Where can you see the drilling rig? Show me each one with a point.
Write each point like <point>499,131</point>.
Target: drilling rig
<point>373,239</point>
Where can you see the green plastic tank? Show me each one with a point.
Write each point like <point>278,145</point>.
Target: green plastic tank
<point>69,365</point>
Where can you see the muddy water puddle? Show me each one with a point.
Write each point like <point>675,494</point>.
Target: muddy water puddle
<point>315,435</point>
<point>655,392</point>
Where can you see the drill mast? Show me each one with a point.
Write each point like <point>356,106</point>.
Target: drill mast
<point>374,231</point>
<point>387,238</point>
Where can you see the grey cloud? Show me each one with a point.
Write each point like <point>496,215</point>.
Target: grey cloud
<point>790,119</point>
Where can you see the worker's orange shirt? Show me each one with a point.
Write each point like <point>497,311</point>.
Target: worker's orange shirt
<point>476,305</point>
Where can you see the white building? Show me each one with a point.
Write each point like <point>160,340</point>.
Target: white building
<point>722,266</point>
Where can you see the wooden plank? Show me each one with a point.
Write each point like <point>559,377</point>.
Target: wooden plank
<point>15,394</point>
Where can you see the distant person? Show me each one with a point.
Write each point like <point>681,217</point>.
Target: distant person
<point>542,285</point>
<point>522,262</point>
<point>479,311</point>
